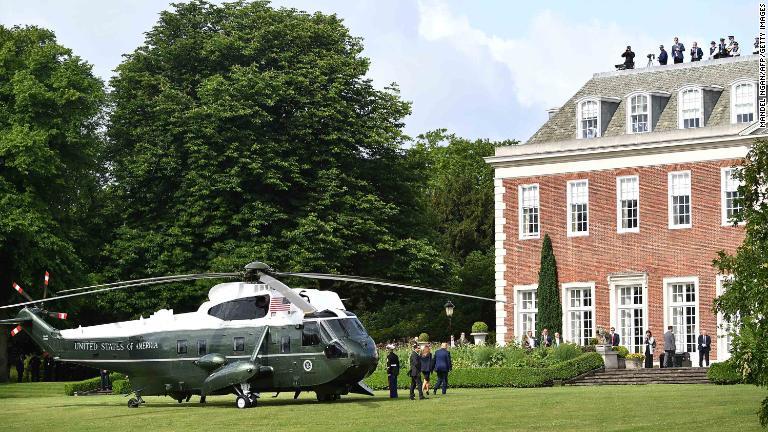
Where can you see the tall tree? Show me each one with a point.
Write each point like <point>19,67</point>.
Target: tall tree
<point>240,132</point>
<point>550,314</point>
<point>745,300</point>
<point>49,117</point>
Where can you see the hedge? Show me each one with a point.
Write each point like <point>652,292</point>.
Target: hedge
<point>501,377</point>
<point>121,387</point>
<point>90,384</point>
<point>724,373</point>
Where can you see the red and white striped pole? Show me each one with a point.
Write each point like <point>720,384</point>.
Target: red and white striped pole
<point>15,331</point>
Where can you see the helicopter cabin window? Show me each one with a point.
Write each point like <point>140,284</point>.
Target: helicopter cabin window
<point>202,347</point>
<point>238,344</point>
<point>346,327</point>
<point>285,344</point>
<point>310,334</point>
<point>246,308</point>
<point>181,346</point>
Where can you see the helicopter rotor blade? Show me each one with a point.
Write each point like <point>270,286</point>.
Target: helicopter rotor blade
<point>372,281</point>
<point>21,291</point>
<point>157,278</point>
<point>112,288</point>
<point>45,285</point>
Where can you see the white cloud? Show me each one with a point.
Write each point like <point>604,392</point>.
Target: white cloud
<point>551,59</point>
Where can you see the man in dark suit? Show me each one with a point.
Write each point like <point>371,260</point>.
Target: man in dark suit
<point>662,55</point>
<point>415,372</point>
<point>705,344</point>
<point>546,339</point>
<point>614,337</point>
<point>696,52</point>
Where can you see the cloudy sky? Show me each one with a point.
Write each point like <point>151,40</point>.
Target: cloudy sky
<point>482,69</point>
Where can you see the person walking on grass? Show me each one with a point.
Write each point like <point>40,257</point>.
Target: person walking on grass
<point>442,364</point>
<point>415,372</point>
<point>426,366</point>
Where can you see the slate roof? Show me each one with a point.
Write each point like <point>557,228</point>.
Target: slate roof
<point>669,78</point>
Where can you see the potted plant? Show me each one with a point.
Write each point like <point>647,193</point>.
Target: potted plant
<point>635,360</point>
<point>621,356</point>
<point>479,332</point>
<point>423,340</point>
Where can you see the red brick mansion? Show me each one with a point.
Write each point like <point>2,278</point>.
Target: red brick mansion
<point>631,178</point>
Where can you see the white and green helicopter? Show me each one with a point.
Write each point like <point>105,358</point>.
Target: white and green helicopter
<point>251,336</point>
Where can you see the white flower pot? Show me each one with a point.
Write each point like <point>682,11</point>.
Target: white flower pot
<point>479,338</point>
<point>634,363</point>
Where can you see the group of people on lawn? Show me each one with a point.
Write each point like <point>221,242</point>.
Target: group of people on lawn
<point>422,364</point>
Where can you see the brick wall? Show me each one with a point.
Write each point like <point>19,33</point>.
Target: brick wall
<point>657,250</point>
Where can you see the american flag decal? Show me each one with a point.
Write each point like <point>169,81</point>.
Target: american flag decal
<point>279,304</point>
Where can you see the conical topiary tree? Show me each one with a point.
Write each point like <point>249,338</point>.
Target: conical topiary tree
<point>550,314</point>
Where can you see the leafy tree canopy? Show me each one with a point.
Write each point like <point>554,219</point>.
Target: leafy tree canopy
<point>49,118</point>
<point>240,132</point>
<point>745,300</point>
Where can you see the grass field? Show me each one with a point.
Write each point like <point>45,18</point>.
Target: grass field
<point>41,406</point>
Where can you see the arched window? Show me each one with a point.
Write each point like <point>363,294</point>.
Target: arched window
<point>639,113</point>
<point>589,111</point>
<point>743,102</point>
<point>691,108</point>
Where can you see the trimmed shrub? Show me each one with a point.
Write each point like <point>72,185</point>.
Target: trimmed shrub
<point>564,352</point>
<point>502,376</point>
<point>621,351</point>
<point>90,384</point>
<point>725,373</point>
<point>121,387</point>
<point>423,337</point>
<point>635,356</point>
<point>479,327</point>
<point>575,367</point>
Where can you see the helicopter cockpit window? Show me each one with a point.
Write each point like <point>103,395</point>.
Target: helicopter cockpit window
<point>246,308</point>
<point>310,334</point>
<point>353,327</point>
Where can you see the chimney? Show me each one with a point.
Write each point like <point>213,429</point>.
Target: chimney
<point>552,111</point>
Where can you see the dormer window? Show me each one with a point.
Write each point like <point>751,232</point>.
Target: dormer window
<point>743,101</point>
<point>644,109</point>
<point>589,114</point>
<point>695,103</point>
<point>638,113</point>
<point>593,114</point>
<point>691,108</point>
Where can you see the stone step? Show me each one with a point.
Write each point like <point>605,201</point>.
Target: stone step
<point>644,376</point>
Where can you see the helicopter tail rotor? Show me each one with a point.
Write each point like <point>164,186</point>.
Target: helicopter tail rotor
<point>20,290</point>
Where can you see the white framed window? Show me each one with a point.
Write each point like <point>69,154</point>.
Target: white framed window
<point>639,114</point>
<point>628,295</point>
<point>690,104</point>
<point>726,329</point>
<point>631,316</point>
<point>730,204</point>
<point>628,204</point>
<point>681,311</point>
<point>589,119</point>
<point>743,101</point>
<point>526,309</point>
<point>528,196</point>
<point>679,184</point>
<point>579,312</point>
<point>578,208</point>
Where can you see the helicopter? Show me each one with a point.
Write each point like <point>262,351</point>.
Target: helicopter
<point>252,336</point>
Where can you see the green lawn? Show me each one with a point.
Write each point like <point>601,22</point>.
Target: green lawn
<point>40,406</point>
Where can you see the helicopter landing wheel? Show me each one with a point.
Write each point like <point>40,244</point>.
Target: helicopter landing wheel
<point>133,403</point>
<point>242,402</point>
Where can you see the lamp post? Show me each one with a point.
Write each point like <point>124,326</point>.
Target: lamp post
<point>449,313</point>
